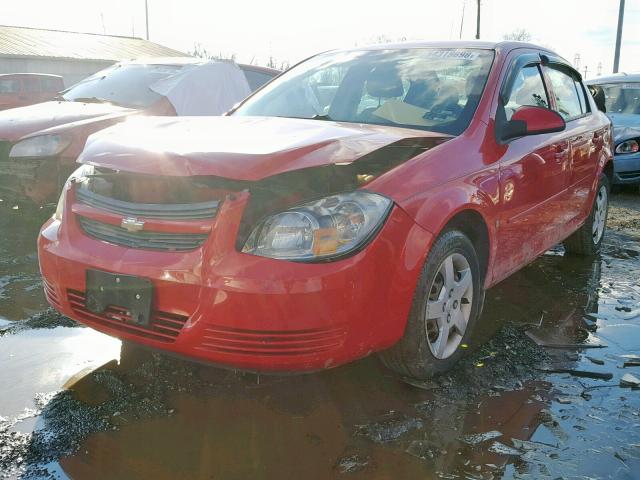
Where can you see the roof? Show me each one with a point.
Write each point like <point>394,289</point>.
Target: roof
<point>41,43</point>
<point>615,78</point>
<point>481,44</point>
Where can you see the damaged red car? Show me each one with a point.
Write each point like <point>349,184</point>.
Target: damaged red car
<point>362,202</point>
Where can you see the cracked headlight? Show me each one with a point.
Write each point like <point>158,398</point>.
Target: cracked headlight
<point>628,146</point>
<point>323,229</point>
<point>77,176</point>
<point>40,146</point>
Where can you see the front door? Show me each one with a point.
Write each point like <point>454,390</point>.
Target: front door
<point>534,177</point>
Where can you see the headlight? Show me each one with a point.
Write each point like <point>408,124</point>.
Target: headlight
<point>77,176</point>
<point>329,227</point>
<point>629,146</point>
<point>40,146</point>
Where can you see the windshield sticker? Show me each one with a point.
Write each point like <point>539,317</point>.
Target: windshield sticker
<point>457,53</point>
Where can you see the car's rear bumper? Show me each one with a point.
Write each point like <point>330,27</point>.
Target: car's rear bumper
<point>626,169</point>
<point>222,306</point>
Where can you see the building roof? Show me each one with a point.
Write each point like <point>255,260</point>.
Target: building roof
<point>40,43</point>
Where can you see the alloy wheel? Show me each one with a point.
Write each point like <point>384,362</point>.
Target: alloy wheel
<point>600,214</point>
<point>449,305</point>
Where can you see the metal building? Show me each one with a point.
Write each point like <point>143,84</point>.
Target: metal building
<point>72,55</point>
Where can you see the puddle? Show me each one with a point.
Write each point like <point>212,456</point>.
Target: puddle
<point>130,413</point>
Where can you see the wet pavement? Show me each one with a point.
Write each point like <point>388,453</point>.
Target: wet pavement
<point>538,397</point>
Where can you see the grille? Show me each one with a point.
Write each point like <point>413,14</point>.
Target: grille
<point>629,175</point>
<point>186,211</point>
<point>163,326</point>
<point>144,240</point>
<point>277,343</point>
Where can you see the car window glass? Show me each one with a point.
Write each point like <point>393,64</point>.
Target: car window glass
<point>9,85</point>
<point>50,85</point>
<point>528,89</point>
<point>622,97</point>
<point>427,88</point>
<point>584,104</point>
<point>256,79</point>
<point>564,89</point>
<point>31,85</point>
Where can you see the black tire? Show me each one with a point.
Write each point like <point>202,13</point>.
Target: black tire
<point>584,241</point>
<point>412,356</point>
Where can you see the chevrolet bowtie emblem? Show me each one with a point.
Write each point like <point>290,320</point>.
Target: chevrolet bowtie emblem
<point>132,224</point>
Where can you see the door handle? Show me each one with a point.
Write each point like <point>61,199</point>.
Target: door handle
<point>596,137</point>
<point>561,148</point>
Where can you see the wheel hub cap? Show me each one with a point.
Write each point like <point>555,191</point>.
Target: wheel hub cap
<point>449,305</point>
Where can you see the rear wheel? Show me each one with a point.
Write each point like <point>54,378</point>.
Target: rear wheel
<point>588,239</point>
<point>446,305</point>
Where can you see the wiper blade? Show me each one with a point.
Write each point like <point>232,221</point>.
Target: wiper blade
<point>322,117</point>
<point>96,100</point>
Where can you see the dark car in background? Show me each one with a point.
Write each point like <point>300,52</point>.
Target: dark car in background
<point>619,97</point>
<point>22,89</point>
<point>39,144</point>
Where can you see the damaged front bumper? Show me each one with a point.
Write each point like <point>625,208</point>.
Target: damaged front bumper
<point>217,304</point>
<point>37,180</point>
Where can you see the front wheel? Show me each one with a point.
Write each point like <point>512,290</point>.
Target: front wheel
<point>588,239</point>
<point>446,306</point>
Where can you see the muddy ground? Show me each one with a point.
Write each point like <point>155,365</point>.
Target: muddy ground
<point>539,396</point>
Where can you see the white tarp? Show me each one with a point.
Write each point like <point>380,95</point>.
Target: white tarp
<point>210,88</point>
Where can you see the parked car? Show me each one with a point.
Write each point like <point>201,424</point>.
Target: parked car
<point>362,202</point>
<point>39,144</point>
<point>21,89</point>
<point>619,97</point>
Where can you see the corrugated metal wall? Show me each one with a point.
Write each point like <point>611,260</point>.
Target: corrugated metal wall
<point>71,70</point>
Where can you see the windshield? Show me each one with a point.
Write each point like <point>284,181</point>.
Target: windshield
<point>123,84</point>
<point>424,88</point>
<point>622,97</point>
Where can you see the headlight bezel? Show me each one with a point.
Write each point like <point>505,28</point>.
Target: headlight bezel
<point>78,174</point>
<point>60,143</point>
<point>635,141</point>
<point>357,246</point>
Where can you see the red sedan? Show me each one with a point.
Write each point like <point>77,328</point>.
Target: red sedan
<point>362,202</point>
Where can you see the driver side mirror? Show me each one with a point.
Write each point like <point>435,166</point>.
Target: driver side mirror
<point>530,120</point>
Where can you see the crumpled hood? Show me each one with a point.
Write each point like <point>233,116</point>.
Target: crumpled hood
<point>239,148</point>
<point>16,123</point>
<point>625,126</point>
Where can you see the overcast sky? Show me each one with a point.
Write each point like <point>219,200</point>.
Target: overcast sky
<point>291,30</point>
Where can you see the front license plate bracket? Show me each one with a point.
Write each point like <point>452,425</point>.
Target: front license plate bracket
<point>134,294</point>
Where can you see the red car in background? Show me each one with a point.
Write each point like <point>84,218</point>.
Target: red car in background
<point>21,89</point>
<point>39,144</point>
<point>362,202</point>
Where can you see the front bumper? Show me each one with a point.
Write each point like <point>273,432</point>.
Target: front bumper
<point>247,312</point>
<point>626,169</point>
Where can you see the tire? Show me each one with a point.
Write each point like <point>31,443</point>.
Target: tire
<point>587,240</point>
<point>420,353</point>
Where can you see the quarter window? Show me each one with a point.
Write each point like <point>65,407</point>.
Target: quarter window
<point>528,89</point>
<point>565,89</point>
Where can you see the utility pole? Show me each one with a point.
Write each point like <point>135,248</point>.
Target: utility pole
<point>478,22</point>
<point>146,16</point>
<point>462,20</point>
<point>616,55</point>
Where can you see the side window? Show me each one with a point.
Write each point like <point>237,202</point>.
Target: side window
<point>528,89</point>
<point>564,86</point>
<point>31,85</point>
<point>50,85</point>
<point>9,86</point>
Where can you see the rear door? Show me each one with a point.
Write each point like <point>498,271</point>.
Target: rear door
<point>534,174</point>
<point>585,134</point>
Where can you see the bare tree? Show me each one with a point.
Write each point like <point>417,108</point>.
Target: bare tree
<point>519,34</point>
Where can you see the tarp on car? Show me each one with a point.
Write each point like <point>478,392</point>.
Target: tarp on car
<point>210,88</point>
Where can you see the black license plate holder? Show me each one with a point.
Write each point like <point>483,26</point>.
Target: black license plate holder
<point>134,294</point>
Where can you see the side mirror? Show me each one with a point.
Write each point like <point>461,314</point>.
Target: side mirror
<point>598,96</point>
<point>529,120</point>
